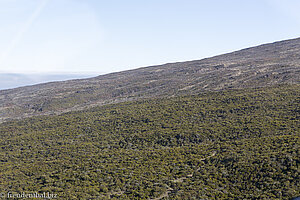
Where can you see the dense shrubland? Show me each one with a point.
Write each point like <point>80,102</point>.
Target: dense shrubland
<point>237,144</point>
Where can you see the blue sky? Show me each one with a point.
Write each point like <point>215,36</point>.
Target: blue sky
<point>100,36</point>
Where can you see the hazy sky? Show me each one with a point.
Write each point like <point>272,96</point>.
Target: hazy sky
<point>112,35</point>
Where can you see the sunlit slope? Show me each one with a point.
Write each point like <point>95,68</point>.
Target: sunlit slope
<point>240,144</point>
<point>265,65</point>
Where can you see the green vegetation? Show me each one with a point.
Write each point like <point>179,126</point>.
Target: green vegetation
<point>238,144</point>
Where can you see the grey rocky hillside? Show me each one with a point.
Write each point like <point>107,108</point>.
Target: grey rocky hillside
<point>265,65</point>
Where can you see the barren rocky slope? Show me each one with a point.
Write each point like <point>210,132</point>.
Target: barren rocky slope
<point>269,64</point>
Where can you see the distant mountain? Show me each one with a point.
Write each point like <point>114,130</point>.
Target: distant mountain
<point>264,65</point>
<point>13,80</point>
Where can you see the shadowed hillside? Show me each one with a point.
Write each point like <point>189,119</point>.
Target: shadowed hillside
<point>260,66</point>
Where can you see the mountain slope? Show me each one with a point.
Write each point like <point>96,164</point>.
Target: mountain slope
<point>259,66</point>
<point>240,144</point>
